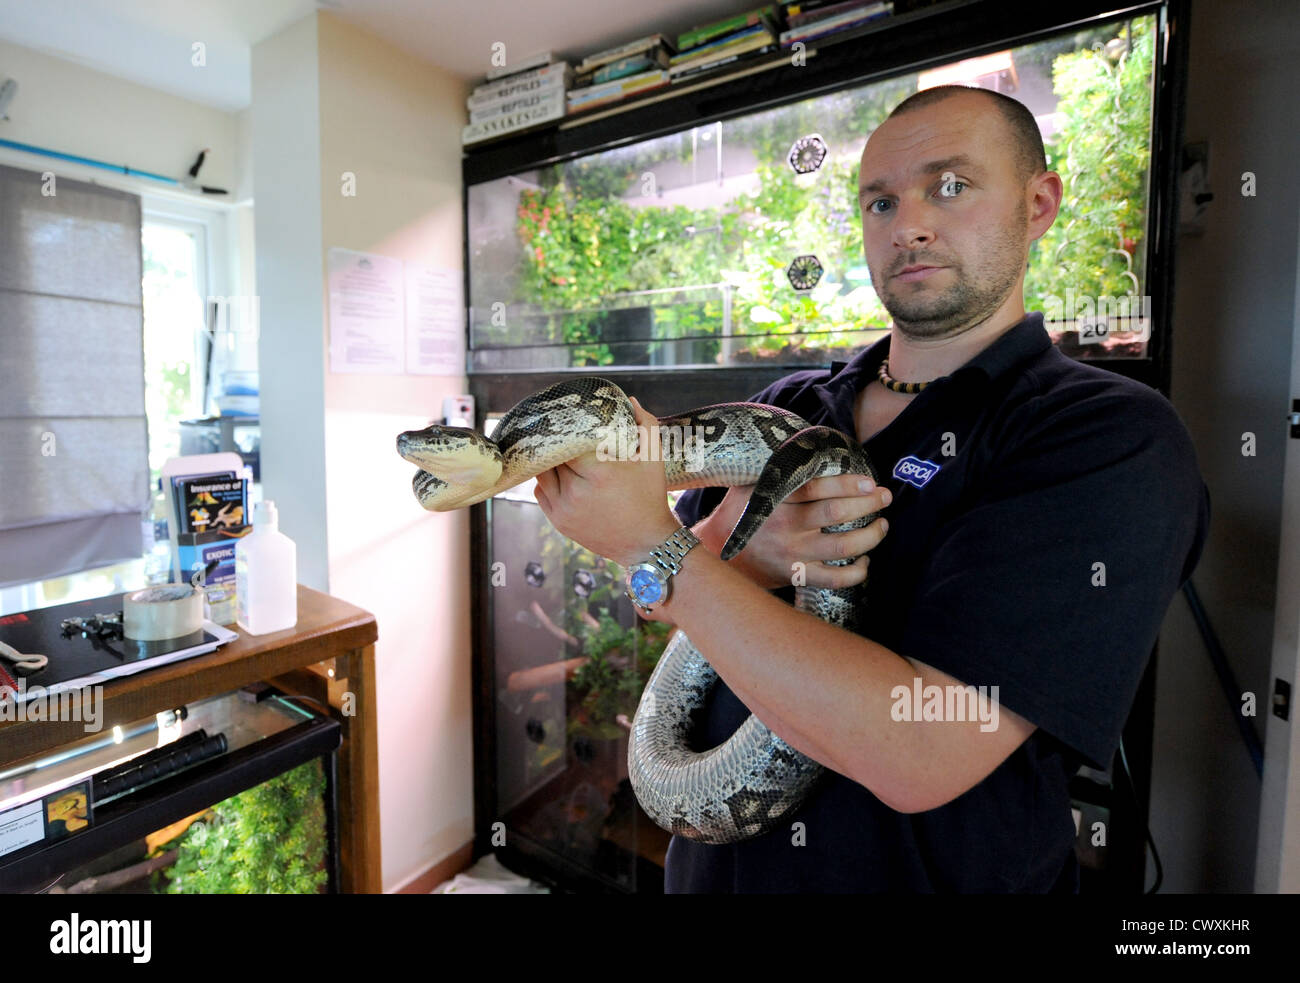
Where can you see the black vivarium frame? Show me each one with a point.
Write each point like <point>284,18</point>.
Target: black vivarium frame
<point>926,38</point>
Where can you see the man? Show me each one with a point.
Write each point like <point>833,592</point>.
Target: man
<point>1041,515</point>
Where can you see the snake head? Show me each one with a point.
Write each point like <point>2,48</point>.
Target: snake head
<point>455,464</point>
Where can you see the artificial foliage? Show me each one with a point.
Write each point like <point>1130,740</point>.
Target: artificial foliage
<point>1096,245</point>
<point>620,657</point>
<point>267,840</point>
<point>590,237</point>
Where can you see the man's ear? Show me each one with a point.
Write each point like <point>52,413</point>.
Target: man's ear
<point>1045,203</point>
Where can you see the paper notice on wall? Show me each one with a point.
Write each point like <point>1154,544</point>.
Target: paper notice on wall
<point>435,320</point>
<point>367,310</point>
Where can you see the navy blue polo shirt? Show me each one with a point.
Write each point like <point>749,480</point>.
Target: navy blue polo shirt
<point>1044,514</point>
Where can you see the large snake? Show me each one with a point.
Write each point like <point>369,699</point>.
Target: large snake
<point>749,784</point>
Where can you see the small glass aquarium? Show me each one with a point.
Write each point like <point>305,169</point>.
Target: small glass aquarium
<point>234,794</point>
<point>571,660</point>
<point>739,241</point>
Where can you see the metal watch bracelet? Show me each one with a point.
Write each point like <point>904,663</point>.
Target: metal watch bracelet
<point>669,554</point>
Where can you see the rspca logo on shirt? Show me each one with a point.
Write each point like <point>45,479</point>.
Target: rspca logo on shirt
<point>915,471</point>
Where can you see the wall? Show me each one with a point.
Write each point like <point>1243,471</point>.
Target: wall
<point>392,121</point>
<point>285,129</point>
<point>67,107</point>
<point>1234,305</point>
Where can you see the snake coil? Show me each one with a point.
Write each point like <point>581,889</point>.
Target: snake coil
<point>747,785</point>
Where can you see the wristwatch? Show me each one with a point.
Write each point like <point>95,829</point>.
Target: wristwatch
<point>648,582</point>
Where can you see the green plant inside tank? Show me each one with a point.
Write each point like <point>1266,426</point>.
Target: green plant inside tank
<point>267,840</point>
<point>619,656</point>
<point>587,235</point>
<point>620,659</point>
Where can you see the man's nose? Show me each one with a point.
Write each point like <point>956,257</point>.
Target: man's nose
<point>911,230</point>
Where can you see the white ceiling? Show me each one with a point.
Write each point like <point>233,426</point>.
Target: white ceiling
<point>150,41</point>
<point>458,34</point>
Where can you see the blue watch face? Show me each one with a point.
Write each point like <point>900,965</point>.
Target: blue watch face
<point>646,587</point>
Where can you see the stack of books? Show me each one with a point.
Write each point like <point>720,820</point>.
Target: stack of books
<point>711,46</point>
<point>810,20</point>
<point>517,98</point>
<point>616,73</point>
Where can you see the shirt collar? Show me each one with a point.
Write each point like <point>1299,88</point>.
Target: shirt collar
<point>1024,340</point>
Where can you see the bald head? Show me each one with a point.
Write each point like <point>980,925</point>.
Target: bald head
<point>1026,140</point>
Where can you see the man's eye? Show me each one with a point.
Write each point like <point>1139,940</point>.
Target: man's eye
<point>950,189</point>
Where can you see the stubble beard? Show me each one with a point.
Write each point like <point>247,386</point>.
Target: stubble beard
<point>923,311</point>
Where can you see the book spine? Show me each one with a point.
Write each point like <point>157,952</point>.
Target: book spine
<point>616,97</point>
<point>587,100</point>
<point>806,6</point>
<point>509,122</point>
<point>576,107</point>
<point>722,44</point>
<point>518,105</point>
<point>693,70</point>
<point>813,16</point>
<point>617,87</point>
<point>830,25</point>
<point>630,66</point>
<point>515,90</point>
<point>637,47</point>
<point>532,62</point>
<point>699,35</point>
<point>546,71</point>
<point>748,43</point>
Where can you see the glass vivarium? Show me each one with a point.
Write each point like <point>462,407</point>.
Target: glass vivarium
<point>741,241</point>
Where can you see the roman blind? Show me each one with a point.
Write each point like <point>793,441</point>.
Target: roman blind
<point>74,467</point>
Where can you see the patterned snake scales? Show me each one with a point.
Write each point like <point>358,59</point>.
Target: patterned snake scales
<point>746,786</point>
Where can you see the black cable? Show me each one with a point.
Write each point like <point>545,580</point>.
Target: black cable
<point>1230,690</point>
<point>1155,854</point>
<point>1229,683</point>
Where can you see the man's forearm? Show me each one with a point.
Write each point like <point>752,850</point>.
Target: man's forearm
<point>822,689</point>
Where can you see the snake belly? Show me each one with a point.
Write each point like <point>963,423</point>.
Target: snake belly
<point>747,785</point>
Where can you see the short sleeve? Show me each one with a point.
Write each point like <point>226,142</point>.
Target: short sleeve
<point>1054,578</point>
<point>695,503</point>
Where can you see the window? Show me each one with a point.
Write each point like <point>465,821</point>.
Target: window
<point>186,258</point>
<point>175,285</point>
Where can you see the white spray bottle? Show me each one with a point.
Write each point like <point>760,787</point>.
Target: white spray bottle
<point>266,575</point>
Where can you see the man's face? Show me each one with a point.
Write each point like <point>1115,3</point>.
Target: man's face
<point>938,187</point>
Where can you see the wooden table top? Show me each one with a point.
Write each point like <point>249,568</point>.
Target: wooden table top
<point>326,627</point>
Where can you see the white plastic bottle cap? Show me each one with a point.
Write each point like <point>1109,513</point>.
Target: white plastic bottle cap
<point>265,513</point>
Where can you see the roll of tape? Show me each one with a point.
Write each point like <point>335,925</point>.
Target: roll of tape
<point>166,611</point>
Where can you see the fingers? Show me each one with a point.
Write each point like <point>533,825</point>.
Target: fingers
<point>838,578</point>
<point>831,511</point>
<point>644,417</point>
<point>546,490</point>
<point>851,543</point>
<point>832,486</point>
<point>548,482</point>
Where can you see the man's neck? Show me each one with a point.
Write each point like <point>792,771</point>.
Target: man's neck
<point>924,359</point>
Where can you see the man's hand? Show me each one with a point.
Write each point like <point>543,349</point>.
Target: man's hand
<point>793,533</point>
<point>617,509</point>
